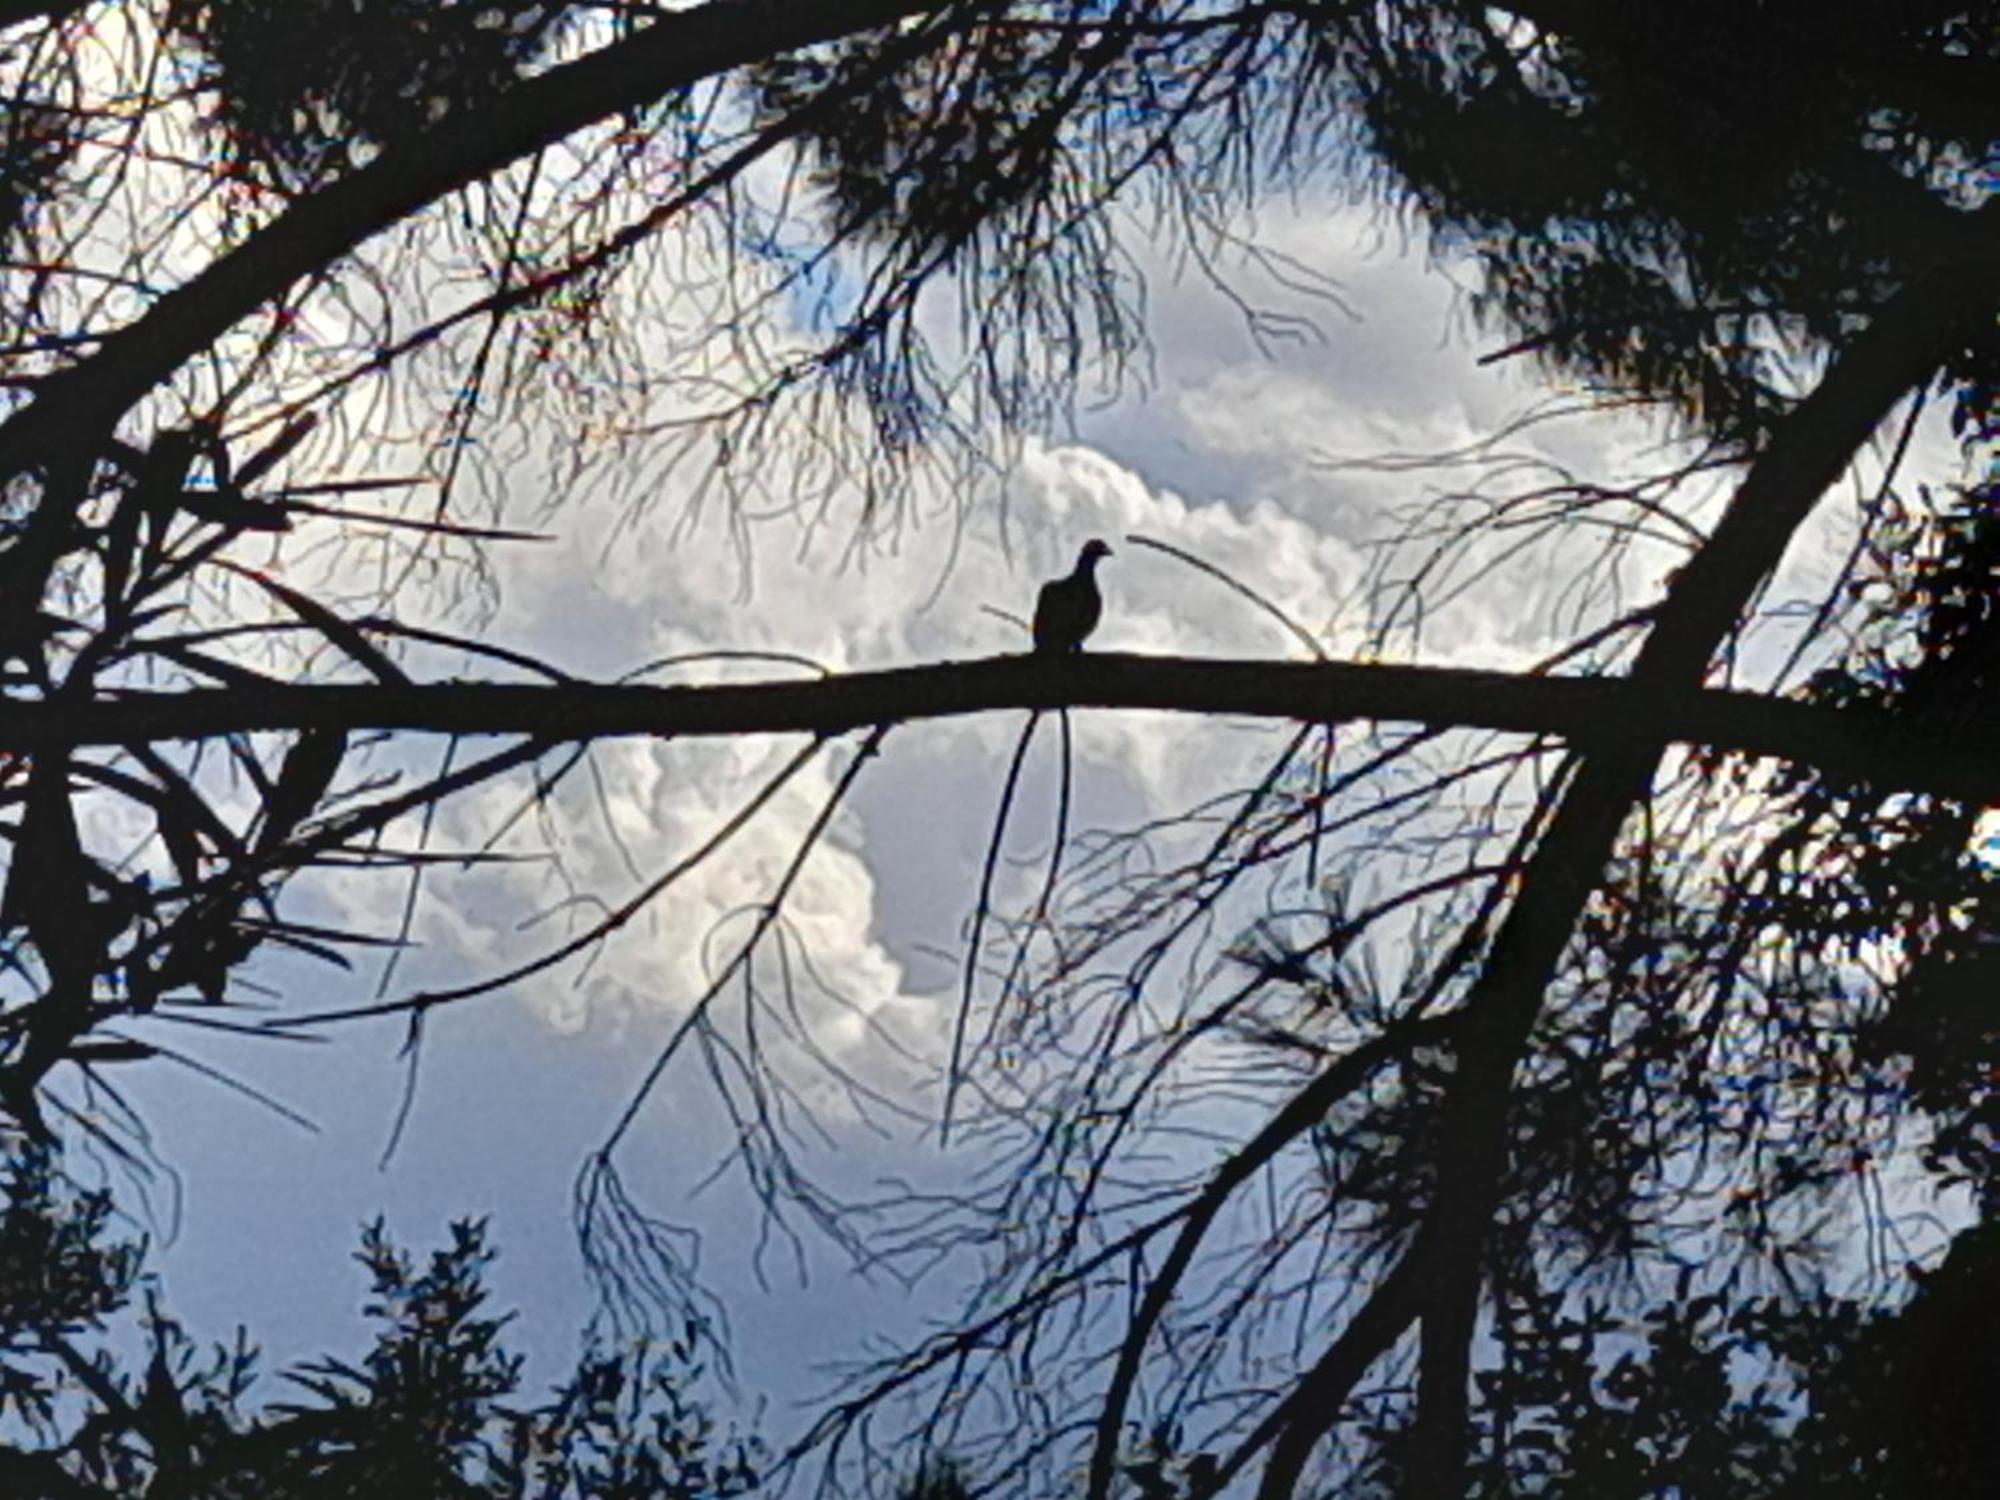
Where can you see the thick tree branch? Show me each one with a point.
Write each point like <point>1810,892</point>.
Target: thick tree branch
<point>1899,352</point>
<point>1603,714</point>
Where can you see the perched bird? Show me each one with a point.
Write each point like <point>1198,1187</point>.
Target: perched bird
<point>1067,609</point>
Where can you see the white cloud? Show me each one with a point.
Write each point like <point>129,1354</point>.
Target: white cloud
<point>660,593</point>
<point>1239,456</point>
<point>626,583</point>
<point>1232,456</point>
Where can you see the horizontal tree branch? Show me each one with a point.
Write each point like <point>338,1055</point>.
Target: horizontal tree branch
<point>1600,713</point>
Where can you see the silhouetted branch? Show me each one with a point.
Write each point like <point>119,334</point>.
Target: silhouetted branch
<point>1599,712</point>
<point>1805,456</point>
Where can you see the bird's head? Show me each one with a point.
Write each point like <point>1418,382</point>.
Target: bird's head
<point>1093,550</point>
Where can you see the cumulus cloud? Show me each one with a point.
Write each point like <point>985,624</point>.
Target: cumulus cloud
<point>895,876</point>
<point>1269,439</point>
<point>1251,457</point>
<point>883,903</point>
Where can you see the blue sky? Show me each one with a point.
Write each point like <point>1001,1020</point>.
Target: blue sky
<point>1227,449</point>
<point>1216,452</point>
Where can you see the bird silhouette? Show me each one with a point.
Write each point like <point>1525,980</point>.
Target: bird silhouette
<point>1068,608</point>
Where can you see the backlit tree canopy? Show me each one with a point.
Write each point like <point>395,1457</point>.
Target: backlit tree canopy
<point>1320,1139</point>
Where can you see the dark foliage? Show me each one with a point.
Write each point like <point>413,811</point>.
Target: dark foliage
<point>1683,196</point>
<point>302,91</point>
<point>428,1411</point>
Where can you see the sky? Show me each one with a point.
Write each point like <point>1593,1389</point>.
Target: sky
<point>1222,450</point>
<point>1248,454</point>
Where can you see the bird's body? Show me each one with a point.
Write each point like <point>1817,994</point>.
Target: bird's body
<point>1067,609</point>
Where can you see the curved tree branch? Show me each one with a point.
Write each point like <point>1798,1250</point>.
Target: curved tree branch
<point>1897,353</point>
